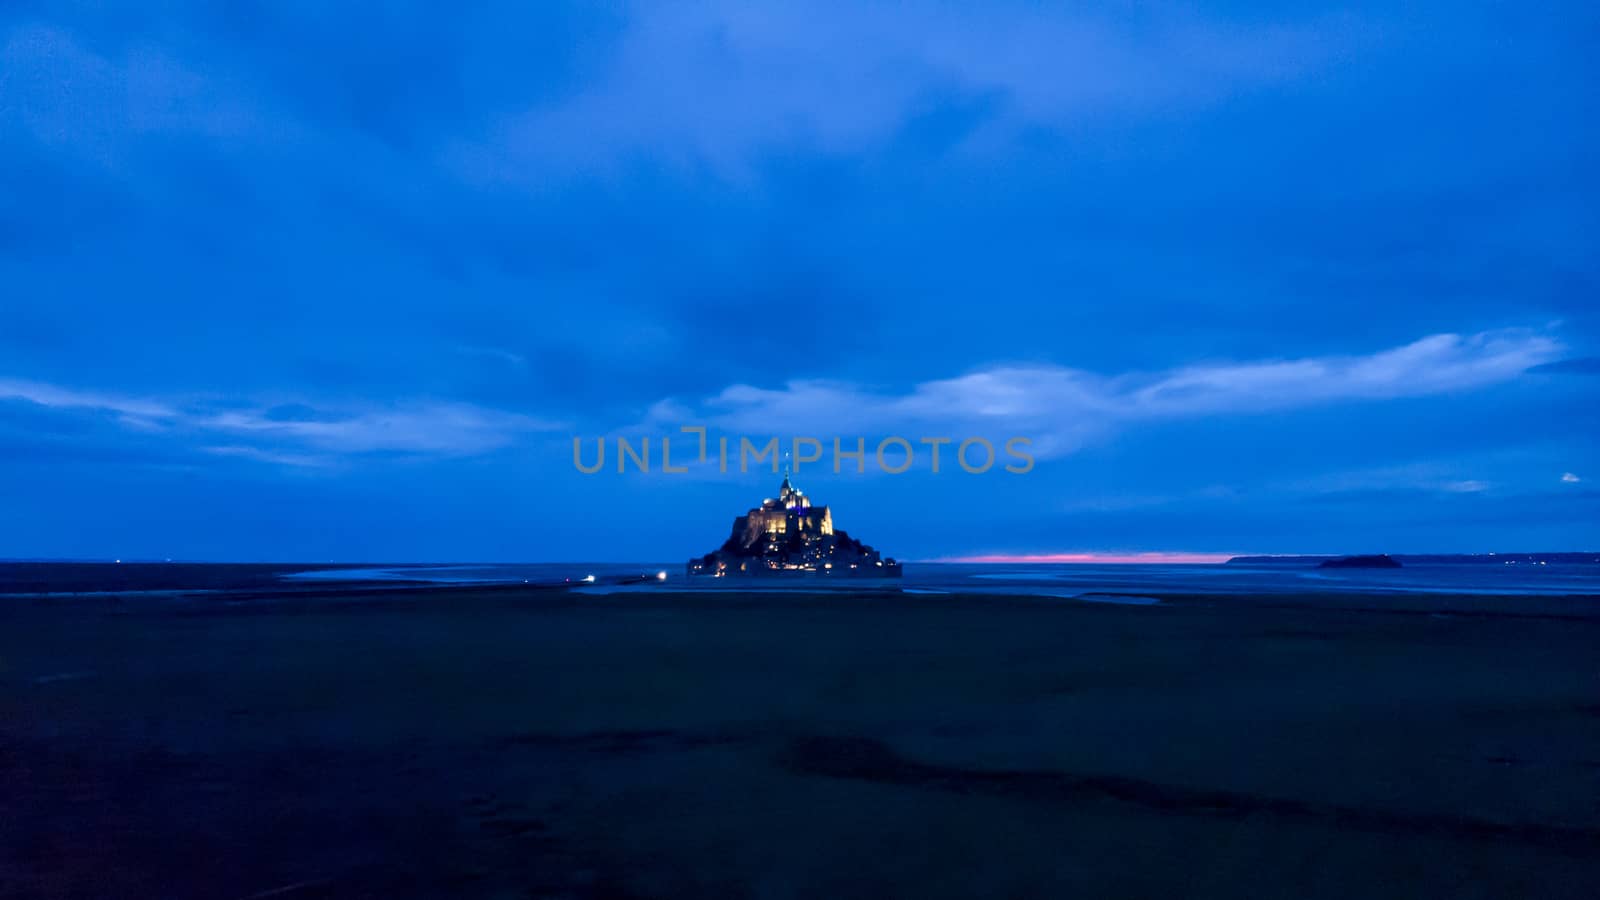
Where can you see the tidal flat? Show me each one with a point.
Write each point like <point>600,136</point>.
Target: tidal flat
<point>512,743</point>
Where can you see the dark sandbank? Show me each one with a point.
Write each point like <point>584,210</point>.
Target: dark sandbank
<point>1366,561</point>
<point>494,743</point>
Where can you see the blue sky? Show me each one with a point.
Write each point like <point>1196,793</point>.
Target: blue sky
<point>284,281</point>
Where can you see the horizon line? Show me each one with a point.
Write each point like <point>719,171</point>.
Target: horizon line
<point>1153,557</point>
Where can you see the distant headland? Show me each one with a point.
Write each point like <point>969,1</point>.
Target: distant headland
<point>787,536</point>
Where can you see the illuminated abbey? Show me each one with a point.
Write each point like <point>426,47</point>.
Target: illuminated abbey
<point>788,535</point>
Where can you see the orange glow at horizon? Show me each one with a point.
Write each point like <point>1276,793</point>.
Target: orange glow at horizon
<point>1154,557</point>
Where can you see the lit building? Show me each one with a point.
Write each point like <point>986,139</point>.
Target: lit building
<point>788,535</point>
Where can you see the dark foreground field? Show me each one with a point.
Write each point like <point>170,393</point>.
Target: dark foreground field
<point>547,745</point>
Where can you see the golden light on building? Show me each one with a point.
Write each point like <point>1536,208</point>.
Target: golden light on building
<point>789,534</point>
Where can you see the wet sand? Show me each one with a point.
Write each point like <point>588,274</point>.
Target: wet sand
<point>511,743</point>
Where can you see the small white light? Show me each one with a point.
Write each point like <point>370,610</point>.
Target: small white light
<point>661,576</point>
<point>589,578</point>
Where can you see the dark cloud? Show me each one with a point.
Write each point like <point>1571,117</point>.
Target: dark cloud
<point>1588,365</point>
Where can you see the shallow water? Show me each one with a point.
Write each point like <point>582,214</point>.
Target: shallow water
<point>1052,579</point>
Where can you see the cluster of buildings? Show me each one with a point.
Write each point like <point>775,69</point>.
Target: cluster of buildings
<point>789,536</point>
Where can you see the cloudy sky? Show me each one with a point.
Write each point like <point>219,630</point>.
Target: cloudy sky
<point>279,281</point>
